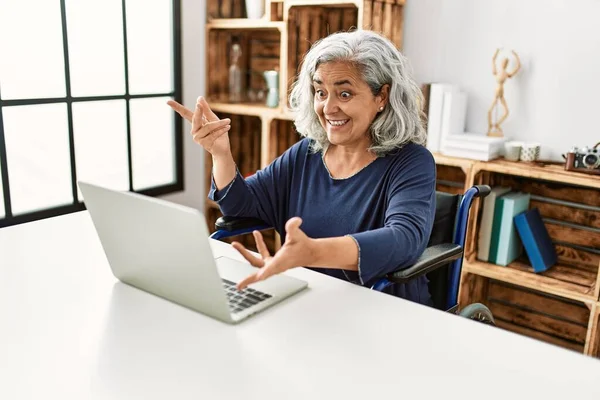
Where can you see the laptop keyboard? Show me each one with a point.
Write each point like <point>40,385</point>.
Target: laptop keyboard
<point>240,300</point>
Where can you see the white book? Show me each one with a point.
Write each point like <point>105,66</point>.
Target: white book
<point>487,219</point>
<point>454,114</point>
<point>434,114</point>
<point>471,154</point>
<point>472,145</point>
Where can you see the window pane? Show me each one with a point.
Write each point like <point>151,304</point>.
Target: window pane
<point>37,152</point>
<point>95,32</point>
<point>31,49</point>
<point>100,129</point>
<point>152,143</point>
<point>150,46</point>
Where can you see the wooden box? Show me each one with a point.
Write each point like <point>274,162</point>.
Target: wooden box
<point>260,52</point>
<point>559,305</point>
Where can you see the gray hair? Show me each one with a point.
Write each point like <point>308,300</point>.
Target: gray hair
<point>380,63</point>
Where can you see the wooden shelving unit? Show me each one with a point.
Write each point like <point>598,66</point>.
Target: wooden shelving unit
<point>279,41</point>
<point>561,305</point>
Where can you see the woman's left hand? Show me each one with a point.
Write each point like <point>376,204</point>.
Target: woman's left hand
<point>296,251</point>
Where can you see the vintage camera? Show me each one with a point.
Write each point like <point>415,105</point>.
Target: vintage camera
<point>585,159</point>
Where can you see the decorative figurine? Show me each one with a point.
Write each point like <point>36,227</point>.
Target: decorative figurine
<point>499,101</point>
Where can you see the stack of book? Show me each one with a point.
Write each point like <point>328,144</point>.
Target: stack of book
<point>473,146</point>
<point>508,226</point>
<point>446,108</point>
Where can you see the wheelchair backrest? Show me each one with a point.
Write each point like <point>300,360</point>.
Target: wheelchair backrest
<point>443,232</point>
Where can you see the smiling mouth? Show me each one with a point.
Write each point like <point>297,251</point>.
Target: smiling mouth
<point>339,122</point>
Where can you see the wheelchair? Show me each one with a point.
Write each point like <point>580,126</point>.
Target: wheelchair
<point>441,261</point>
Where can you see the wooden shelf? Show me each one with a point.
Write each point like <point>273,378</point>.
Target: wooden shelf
<point>560,280</point>
<point>548,172</point>
<point>461,163</point>
<point>244,23</point>
<point>252,109</point>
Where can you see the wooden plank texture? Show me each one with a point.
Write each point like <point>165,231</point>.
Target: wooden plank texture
<point>368,14</point>
<point>450,173</point>
<point>377,19</point>
<point>388,20</point>
<point>539,322</point>
<point>574,312</point>
<point>565,213</point>
<point>473,289</point>
<point>398,25</point>
<point>334,20</point>
<point>544,337</point>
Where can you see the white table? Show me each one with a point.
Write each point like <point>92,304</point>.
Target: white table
<point>69,330</point>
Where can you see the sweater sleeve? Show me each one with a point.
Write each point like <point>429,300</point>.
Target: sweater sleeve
<point>263,195</point>
<point>408,220</point>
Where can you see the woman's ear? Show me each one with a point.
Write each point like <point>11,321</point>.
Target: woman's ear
<point>384,95</point>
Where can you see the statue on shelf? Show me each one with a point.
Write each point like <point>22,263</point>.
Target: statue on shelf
<point>499,101</point>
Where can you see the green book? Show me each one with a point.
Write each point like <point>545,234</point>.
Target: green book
<point>508,245</point>
<point>495,235</point>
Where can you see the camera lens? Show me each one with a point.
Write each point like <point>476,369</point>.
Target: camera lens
<point>590,160</point>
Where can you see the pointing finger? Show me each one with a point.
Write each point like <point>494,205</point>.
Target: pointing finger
<point>181,110</point>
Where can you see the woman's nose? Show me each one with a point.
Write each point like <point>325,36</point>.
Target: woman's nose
<point>331,105</point>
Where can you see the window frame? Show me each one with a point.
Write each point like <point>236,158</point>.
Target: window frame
<point>77,205</point>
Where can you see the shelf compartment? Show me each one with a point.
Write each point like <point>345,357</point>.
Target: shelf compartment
<point>538,315</point>
<point>282,136</point>
<point>260,52</point>
<point>245,141</point>
<point>450,179</point>
<point>565,281</point>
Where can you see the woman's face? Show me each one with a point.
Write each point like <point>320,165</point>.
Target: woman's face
<point>344,103</point>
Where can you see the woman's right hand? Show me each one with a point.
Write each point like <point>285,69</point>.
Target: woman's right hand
<point>208,130</point>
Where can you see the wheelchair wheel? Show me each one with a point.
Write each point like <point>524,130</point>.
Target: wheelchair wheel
<point>478,312</point>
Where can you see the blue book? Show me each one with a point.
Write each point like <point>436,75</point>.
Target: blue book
<point>536,240</point>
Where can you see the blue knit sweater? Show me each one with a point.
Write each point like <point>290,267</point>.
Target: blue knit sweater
<point>388,208</point>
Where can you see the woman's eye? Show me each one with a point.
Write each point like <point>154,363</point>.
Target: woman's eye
<point>345,95</point>
<point>320,94</point>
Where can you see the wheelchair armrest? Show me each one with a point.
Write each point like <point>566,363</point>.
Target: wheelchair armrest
<point>231,224</point>
<point>432,258</point>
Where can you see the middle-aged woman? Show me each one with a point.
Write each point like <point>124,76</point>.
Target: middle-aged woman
<point>355,198</point>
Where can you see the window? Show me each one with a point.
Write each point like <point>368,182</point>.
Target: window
<point>83,91</point>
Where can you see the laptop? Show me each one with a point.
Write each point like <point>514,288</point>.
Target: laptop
<point>164,249</point>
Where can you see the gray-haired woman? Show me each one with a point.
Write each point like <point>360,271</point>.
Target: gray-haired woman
<point>354,199</point>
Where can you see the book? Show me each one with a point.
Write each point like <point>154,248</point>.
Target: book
<point>454,113</point>
<point>471,154</point>
<point>473,141</point>
<point>487,219</point>
<point>536,240</point>
<point>434,114</point>
<point>508,246</point>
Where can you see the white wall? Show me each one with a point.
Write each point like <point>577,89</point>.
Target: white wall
<point>193,17</point>
<point>553,100</point>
